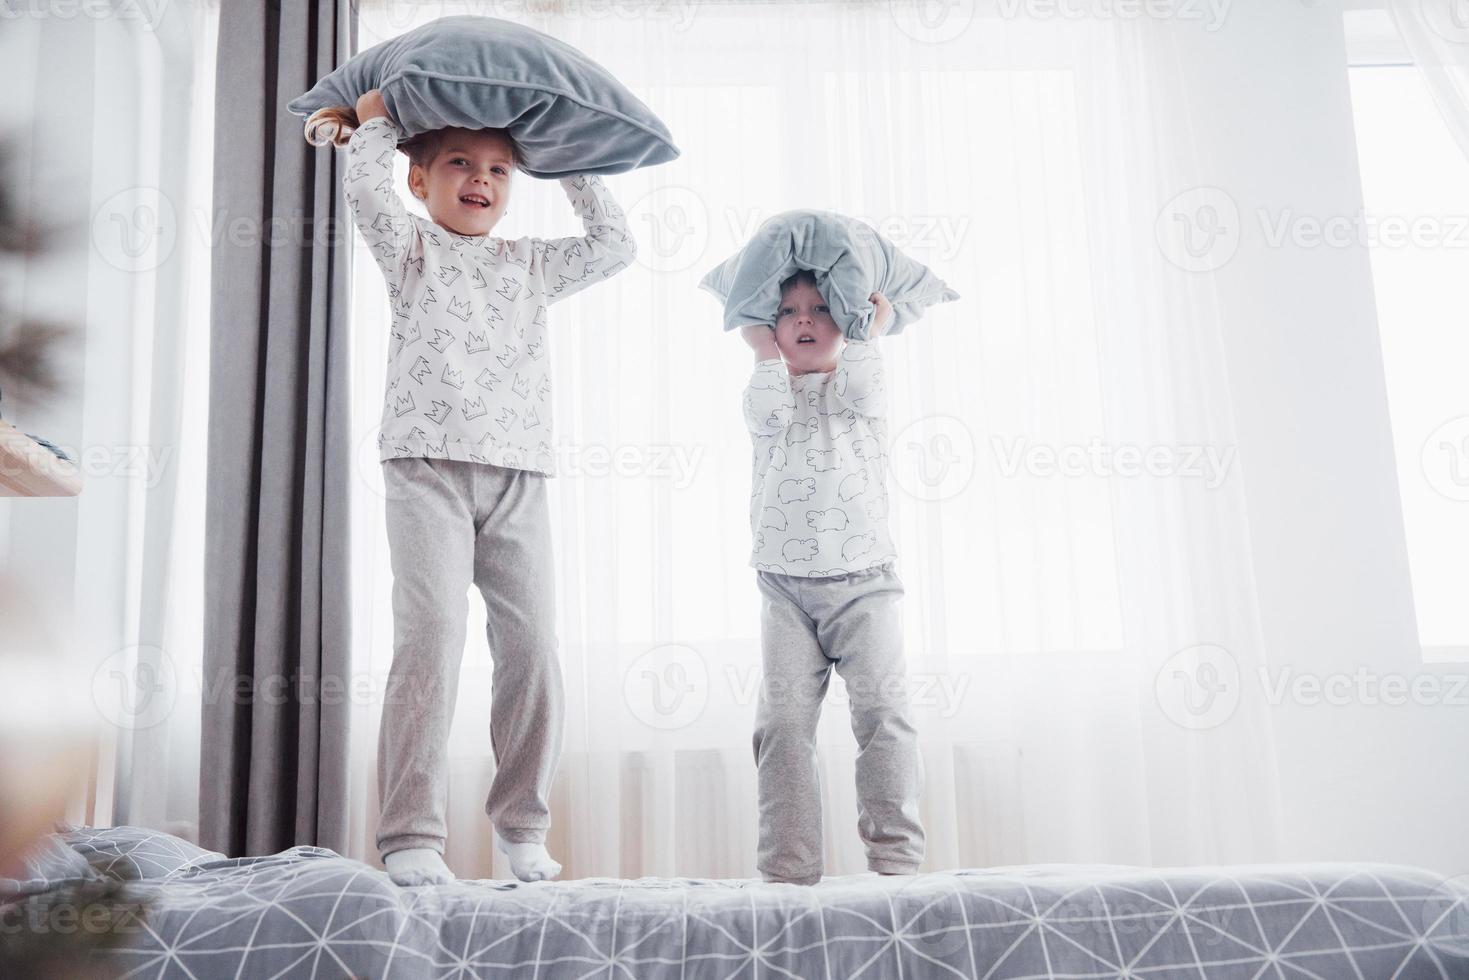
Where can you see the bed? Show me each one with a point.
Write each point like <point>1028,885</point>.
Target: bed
<point>309,912</point>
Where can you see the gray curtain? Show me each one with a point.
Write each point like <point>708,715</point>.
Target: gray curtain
<point>273,764</point>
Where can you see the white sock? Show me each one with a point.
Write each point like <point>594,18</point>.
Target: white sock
<point>529,861</point>
<point>416,866</point>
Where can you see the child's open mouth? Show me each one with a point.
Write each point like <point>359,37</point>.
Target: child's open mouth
<point>805,338</point>
<point>474,200</point>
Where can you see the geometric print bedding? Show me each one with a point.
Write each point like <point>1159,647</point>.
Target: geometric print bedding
<point>308,912</point>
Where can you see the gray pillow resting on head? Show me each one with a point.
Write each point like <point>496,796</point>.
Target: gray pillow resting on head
<point>850,261</point>
<point>566,113</point>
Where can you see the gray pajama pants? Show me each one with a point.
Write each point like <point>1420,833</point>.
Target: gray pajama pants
<point>451,523</point>
<point>807,627</point>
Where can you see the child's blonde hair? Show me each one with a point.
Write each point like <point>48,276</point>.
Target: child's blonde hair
<point>335,125</point>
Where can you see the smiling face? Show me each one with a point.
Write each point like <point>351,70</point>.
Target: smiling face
<point>807,336</point>
<point>466,184</point>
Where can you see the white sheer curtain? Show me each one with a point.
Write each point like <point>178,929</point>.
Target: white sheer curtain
<point>1437,35</point>
<point>1080,604</point>
<point>117,101</point>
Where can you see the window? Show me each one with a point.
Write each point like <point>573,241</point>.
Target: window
<point>1415,188</point>
<point>1020,557</point>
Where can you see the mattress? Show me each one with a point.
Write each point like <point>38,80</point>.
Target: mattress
<point>309,912</point>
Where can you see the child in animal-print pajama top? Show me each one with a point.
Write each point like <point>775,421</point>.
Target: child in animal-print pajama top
<point>815,408</point>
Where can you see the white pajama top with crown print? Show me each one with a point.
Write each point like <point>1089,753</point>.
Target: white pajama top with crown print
<point>468,367</point>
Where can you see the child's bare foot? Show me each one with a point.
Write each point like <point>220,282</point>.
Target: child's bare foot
<point>416,866</point>
<point>529,861</point>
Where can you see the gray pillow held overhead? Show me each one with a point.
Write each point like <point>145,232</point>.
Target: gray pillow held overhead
<point>849,259</point>
<point>567,114</point>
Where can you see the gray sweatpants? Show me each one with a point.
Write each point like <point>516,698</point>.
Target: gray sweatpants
<point>451,523</point>
<point>807,627</point>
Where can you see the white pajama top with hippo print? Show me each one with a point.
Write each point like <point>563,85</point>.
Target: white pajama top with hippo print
<point>819,503</point>
<point>469,373</point>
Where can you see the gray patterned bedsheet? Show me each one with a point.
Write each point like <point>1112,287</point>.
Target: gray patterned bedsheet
<point>309,912</point>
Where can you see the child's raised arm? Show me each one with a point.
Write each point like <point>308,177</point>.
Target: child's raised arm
<point>769,404</point>
<point>858,382</point>
<point>571,264</point>
<point>377,211</point>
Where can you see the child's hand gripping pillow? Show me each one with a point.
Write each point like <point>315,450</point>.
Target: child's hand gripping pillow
<point>850,260</point>
<point>566,113</point>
